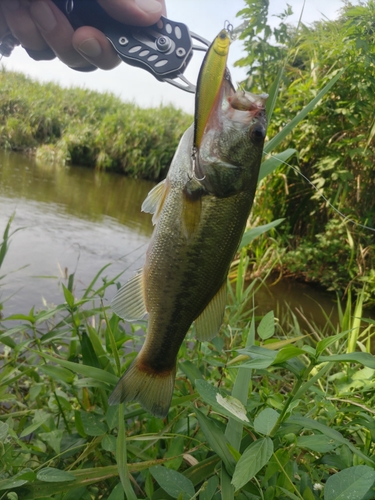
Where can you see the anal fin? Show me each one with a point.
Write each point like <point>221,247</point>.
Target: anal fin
<point>129,301</point>
<point>208,324</point>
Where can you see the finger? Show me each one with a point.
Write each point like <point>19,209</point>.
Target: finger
<point>95,47</point>
<point>136,12</point>
<point>57,32</point>
<point>21,25</point>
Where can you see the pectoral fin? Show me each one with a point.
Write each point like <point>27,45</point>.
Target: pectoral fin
<point>208,324</point>
<point>154,202</point>
<point>129,302</point>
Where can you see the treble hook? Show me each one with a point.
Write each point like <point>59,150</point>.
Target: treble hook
<point>194,162</point>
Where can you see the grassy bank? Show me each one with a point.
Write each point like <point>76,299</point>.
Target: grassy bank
<point>325,191</point>
<point>260,412</point>
<point>87,128</point>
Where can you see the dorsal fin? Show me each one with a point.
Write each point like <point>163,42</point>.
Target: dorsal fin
<point>129,302</point>
<point>154,202</point>
<point>208,324</point>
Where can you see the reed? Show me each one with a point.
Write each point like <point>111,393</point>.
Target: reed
<point>87,128</point>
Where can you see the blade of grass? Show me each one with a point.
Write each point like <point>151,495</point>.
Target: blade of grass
<point>273,143</point>
<point>254,232</point>
<point>87,371</point>
<point>274,91</point>
<point>241,388</point>
<point>91,285</point>
<point>274,161</point>
<point>113,343</point>
<point>227,489</point>
<point>353,334</point>
<point>275,87</point>
<point>121,457</point>
<point>305,387</point>
<point>4,245</point>
<point>216,439</point>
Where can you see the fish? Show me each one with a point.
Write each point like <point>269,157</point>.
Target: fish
<point>200,212</point>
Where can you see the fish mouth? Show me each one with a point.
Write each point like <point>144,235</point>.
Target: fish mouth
<point>245,109</point>
<point>246,106</point>
<point>241,108</point>
<point>232,141</point>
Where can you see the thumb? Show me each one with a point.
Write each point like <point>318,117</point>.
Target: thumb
<point>135,12</point>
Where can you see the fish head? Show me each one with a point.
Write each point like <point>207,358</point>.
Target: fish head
<point>230,154</point>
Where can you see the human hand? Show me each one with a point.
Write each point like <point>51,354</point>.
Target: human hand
<point>45,32</point>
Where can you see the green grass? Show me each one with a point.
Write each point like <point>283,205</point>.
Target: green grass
<point>258,413</point>
<point>87,128</point>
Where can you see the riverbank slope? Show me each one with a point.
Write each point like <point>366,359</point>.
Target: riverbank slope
<point>87,128</point>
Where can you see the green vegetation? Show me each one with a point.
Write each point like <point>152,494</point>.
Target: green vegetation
<point>334,143</point>
<point>4,248</point>
<point>333,146</point>
<point>263,411</point>
<point>258,413</point>
<point>87,128</point>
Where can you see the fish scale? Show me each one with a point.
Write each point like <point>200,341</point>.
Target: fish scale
<point>199,223</point>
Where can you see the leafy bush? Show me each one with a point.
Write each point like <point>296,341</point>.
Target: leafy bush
<point>257,413</point>
<point>335,142</point>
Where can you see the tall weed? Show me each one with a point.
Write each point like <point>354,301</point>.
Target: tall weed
<point>88,128</point>
<point>257,413</point>
<point>334,163</point>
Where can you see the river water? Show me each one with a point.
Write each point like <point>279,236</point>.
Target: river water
<point>73,219</point>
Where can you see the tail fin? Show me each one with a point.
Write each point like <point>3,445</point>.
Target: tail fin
<point>151,389</point>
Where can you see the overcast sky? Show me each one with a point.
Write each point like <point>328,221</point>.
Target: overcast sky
<point>205,17</point>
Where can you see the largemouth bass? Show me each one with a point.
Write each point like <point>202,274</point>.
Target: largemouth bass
<point>200,212</point>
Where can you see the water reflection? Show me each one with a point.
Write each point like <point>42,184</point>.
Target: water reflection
<point>78,191</point>
<point>311,306</point>
<point>72,219</point>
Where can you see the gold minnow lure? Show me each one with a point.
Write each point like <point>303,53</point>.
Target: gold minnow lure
<point>210,81</point>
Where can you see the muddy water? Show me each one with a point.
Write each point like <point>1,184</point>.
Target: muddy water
<point>73,219</point>
<point>70,219</point>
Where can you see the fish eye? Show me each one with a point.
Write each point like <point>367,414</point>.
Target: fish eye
<point>223,36</point>
<point>258,133</point>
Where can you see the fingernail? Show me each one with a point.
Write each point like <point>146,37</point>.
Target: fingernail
<point>43,16</point>
<point>149,6</point>
<point>11,5</point>
<point>90,48</point>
